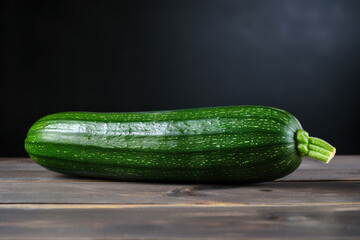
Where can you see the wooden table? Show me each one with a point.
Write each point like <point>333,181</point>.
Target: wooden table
<point>316,201</point>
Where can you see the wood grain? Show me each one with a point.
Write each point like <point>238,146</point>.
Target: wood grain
<point>305,222</point>
<point>345,168</point>
<point>318,200</point>
<point>123,192</point>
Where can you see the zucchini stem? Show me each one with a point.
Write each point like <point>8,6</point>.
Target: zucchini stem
<point>314,147</point>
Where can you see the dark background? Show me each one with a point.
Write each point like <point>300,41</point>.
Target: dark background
<point>301,56</point>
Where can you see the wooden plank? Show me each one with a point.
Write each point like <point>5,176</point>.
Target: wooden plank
<point>39,204</point>
<point>338,162</point>
<point>323,175</point>
<point>180,222</point>
<point>127,192</point>
<point>341,168</point>
<point>298,175</point>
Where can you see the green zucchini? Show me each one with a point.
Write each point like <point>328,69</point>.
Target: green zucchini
<point>218,144</point>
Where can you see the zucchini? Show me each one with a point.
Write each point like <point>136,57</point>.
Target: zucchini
<point>217,144</point>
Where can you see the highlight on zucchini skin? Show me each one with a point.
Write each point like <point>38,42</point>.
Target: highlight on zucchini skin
<point>230,144</point>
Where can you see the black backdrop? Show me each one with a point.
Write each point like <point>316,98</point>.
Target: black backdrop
<point>301,56</point>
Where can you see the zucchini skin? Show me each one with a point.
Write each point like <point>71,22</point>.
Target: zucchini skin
<point>230,144</point>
